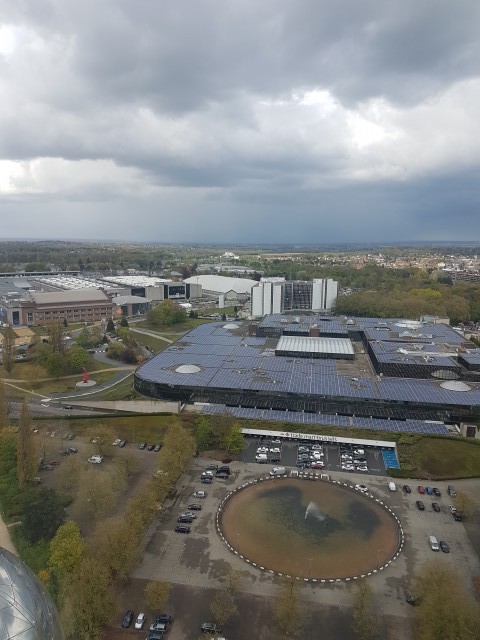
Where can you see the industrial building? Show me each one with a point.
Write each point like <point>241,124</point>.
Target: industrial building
<point>277,295</point>
<point>364,372</point>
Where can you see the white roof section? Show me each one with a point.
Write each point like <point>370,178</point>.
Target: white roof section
<point>318,438</point>
<point>305,344</point>
<point>138,281</point>
<point>69,282</point>
<point>222,284</point>
<point>78,295</point>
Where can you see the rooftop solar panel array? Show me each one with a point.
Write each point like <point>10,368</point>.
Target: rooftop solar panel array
<point>398,426</point>
<point>331,325</point>
<point>227,359</point>
<point>472,357</point>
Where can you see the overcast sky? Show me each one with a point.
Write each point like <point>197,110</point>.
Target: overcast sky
<point>240,121</point>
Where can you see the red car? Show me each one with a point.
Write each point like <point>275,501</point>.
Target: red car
<point>421,489</point>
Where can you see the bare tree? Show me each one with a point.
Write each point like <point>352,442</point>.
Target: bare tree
<point>8,346</point>
<point>365,622</point>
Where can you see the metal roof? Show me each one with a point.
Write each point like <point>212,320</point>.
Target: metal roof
<point>307,344</point>
<point>72,295</point>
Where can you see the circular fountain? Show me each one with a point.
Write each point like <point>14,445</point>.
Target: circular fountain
<point>314,530</point>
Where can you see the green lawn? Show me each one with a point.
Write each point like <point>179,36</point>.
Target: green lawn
<point>444,458</point>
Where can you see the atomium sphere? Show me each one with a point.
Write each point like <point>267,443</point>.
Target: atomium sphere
<point>26,609</point>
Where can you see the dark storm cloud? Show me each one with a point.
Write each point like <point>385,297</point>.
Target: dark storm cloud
<point>324,117</point>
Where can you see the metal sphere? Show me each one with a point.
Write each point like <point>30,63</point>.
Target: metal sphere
<point>26,610</point>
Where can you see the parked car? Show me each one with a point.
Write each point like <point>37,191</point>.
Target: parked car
<point>225,469</point>
<point>140,621</point>
<point>159,627</point>
<point>222,475</point>
<point>206,480</point>
<point>150,447</point>
<point>182,528</point>
<point>127,619</point>
<point>194,507</point>
<point>435,506</point>
<point>122,443</point>
<point>185,519</point>
<point>437,492</point>
<point>210,627</point>
<point>163,617</point>
<point>142,445</point>
<point>420,505</point>
<point>444,546</point>
<point>421,489</point>
<point>429,491</point>
<point>361,487</point>
<point>157,447</point>
<point>211,467</point>
<point>406,488</point>
<point>200,494</point>
<point>116,442</point>
<point>457,517</point>
<point>95,459</point>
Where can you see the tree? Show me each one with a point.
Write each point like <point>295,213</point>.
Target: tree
<point>65,323</point>
<point>204,434</point>
<point>8,347</point>
<point>287,612</point>
<point>25,448</point>
<point>166,313</point>
<point>77,357</point>
<point>95,499</point>
<point>223,606</point>
<point>55,337</point>
<point>67,549</point>
<point>43,513</point>
<point>33,374</point>
<point>156,595</point>
<point>234,440</point>
<point>445,609</point>
<point>110,326</point>
<point>124,322</point>
<point>3,408</point>
<point>54,364</point>
<point>365,623</point>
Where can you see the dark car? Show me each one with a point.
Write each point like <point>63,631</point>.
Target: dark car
<point>457,516</point>
<point>187,519</point>
<point>150,447</point>
<point>157,447</point>
<point>420,505</point>
<point>142,445</point>
<point>182,528</point>
<point>210,627</point>
<point>164,618</point>
<point>155,635</point>
<point>410,599</point>
<point>429,491</point>
<point>127,619</point>
<point>207,480</point>
<point>211,467</point>
<point>122,443</point>
<point>73,449</point>
<point>194,507</point>
<point>225,469</point>
<point>437,492</point>
<point>444,546</point>
<point>435,506</point>
<point>222,475</point>
<point>406,488</point>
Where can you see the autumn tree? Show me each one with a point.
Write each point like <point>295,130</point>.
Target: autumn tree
<point>166,314</point>
<point>25,447</point>
<point>445,609</point>
<point>234,441</point>
<point>365,623</point>
<point>8,348</point>
<point>3,408</point>
<point>77,357</point>
<point>223,606</point>
<point>67,549</point>
<point>156,595</point>
<point>287,610</point>
<point>95,498</point>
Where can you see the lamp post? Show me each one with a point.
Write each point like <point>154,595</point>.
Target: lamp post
<point>378,557</point>
<point>238,542</point>
<point>309,567</point>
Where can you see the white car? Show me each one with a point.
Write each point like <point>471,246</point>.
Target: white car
<point>116,442</point>
<point>318,454</point>
<point>95,459</point>
<point>361,487</point>
<point>346,456</point>
<point>362,467</point>
<point>188,514</point>
<point>140,621</point>
<point>359,452</point>
<point>348,467</point>
<point>317,447</point>
<point>275,450</point>
<point>262,450</point>
<point>200,494</point>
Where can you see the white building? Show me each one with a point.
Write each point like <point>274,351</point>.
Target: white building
<point>277,295</point>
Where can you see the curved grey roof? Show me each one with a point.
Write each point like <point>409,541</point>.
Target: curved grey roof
<point>26,609</point>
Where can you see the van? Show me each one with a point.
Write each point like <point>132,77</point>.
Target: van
<point>392,486</point>
<point>433,543</point>
<point>278,471</point>
<point>451,490</point>
<point>261,457</point>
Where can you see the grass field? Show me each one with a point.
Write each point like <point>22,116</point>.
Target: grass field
<point>438,458</point>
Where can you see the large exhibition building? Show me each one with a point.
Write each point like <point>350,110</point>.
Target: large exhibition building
<point>396,375</point>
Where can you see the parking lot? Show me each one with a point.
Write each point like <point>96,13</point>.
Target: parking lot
<point>197,563</point>
<point>322,456</point>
